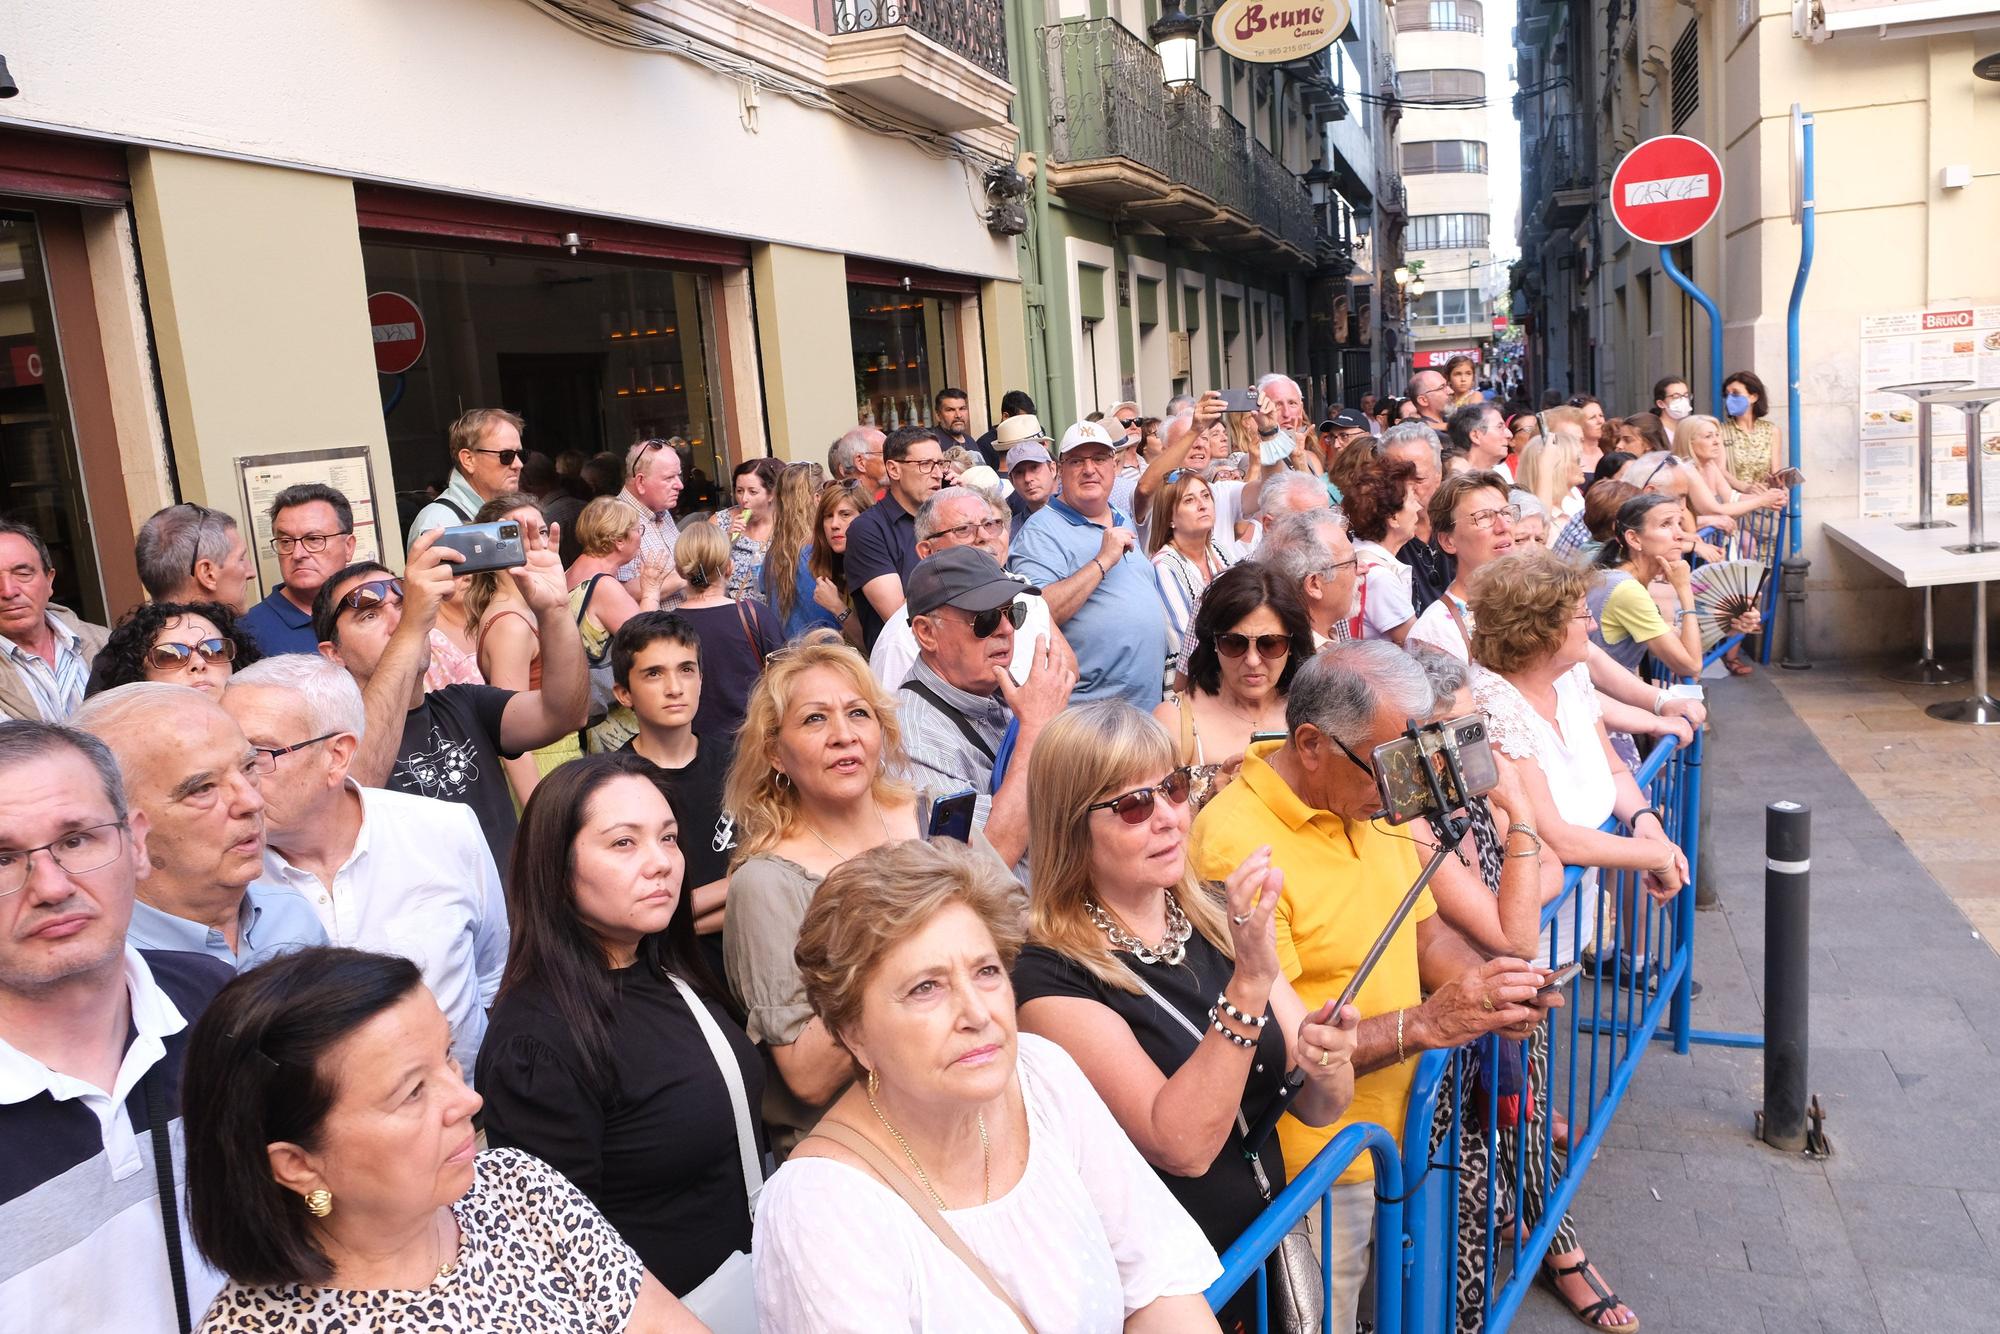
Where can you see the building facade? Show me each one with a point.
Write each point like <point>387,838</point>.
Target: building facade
<point>249,247</point>
<point>1908,180</point>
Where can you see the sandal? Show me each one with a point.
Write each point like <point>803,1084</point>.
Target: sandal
<point>1593,1314</point>
<point>1736,666</point>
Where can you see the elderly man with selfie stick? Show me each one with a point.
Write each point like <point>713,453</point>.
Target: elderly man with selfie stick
<point>1350,881</point>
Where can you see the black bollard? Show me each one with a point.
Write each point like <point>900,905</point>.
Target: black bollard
<point>1787,942</point>
<point>1792,583</point>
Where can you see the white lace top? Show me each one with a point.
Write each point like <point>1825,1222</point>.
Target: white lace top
<point>1087,1236</point>
<point>1572,759</point>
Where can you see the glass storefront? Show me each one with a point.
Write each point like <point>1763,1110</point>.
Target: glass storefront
<point>593,355</point>
<point>906,347</point>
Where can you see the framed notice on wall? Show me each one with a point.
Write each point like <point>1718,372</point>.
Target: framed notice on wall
<point>1956,342</point>
<point>346,470</point>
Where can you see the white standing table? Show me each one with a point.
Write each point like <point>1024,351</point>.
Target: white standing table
<point>1922,558</point>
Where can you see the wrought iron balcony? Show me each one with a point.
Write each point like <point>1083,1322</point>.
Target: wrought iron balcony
<point>975,29</point>
<point>1559,169</point>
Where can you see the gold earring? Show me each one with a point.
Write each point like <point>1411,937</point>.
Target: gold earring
<point>874,1083</point>
<point>319,1203</point>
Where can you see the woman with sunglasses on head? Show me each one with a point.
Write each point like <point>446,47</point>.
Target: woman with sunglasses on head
<point>1169,996</point>
<point>507,638</point>
<point>1250,635</point>
<point>184,643</point>
<point>1187,553</point>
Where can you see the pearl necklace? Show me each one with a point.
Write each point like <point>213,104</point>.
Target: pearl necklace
<point>1172,947</point>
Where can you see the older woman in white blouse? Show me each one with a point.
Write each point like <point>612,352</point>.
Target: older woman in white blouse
<point>905,952</point>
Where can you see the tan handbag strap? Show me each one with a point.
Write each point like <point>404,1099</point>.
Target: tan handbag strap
<point>847,1137</point>
<point>1186,704</point>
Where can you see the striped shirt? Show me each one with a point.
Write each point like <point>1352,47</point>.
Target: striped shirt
<point>657,535</point>
<point>58,690</point>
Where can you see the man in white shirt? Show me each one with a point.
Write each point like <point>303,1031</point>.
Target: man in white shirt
<point>92,1034</point>
<point>1311,549</point>
<point>385,870</point>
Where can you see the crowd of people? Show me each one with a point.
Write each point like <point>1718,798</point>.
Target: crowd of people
<point>884,901</point>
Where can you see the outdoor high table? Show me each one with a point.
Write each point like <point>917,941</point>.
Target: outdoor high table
<point>1920,558</point>
<point>1926,670</point>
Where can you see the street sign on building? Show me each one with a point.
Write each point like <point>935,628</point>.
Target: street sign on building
<point>1666,189</point>
<point>1271,32</point>
<point>398,327</point>
<point>1441,357</point>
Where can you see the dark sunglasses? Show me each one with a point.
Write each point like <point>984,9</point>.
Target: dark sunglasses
<point>1137,807</point>
<point>508,457</point>
<point>986,624</point>
<point>1232,645</point>
<point>166,657</point>
<point>1668,461</point>
<point>363,597</point>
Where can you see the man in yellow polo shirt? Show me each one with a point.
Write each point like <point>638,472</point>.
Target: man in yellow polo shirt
<point>1311,799</point>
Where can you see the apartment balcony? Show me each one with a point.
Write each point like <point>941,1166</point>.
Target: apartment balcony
<point>1559,170</point>
<point>1121,142</point>
<point>941,63</point>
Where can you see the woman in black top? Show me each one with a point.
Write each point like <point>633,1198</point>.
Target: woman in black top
<point>736,635</point>
<point>595,1061</point>
<point>1115,912</point>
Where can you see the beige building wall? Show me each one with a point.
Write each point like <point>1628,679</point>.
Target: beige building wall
<point>1457,268</point>
<point>804,342</point>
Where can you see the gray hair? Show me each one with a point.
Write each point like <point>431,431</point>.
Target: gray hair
<point>1341,688</point>
<point>1413,433</point>
<point>930,514</point>
<point>841,454</point>
<point>332,699</point>
<point>1264,382</point>
<point>22,742</point>
<point>1530,503</point>
<point>123,713</point>
<point>1177,405</point>
<point>171,543</point>
<point>1284,487</point>
<point>1651,468</point>
<point>1447,672</point>
<point>1293,546</point>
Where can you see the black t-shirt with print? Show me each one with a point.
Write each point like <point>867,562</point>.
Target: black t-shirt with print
<point>708,834</point>
<point>451,750</point>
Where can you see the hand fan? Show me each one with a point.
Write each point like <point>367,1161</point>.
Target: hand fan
<point>1723,591</point>
<point>1783,478</point>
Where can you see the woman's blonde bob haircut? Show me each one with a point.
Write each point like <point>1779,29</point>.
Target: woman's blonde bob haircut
<point>1521,608</point>
<point>1546,465</point>
<point>766,810</point>
<point>603,524</point>
<point>1088,754</point>
<point>870,904</point>
<point>701,555</point>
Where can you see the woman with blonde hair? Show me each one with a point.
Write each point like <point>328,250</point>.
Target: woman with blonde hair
<point>608,531</point>
<point>1551,467</point>
<point>1170,998</point>
<point>840,504</point>
<point>1712,491</point>
<point>736,636</point>
<point>784,582</point>
<point>1022,1205</point>
<point>507,640</point>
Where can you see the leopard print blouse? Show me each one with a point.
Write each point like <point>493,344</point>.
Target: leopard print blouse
<point>535,1257</point>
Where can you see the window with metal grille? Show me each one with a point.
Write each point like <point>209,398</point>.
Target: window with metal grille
<point>1429,156</point>
<point>1439,16</point>
<point>1687,74</point>
<point>1441,85</point>
<point>1446,231</point>
<point>1454,305</point>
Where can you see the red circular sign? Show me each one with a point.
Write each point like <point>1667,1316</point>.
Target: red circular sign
<point>1667,189</point>
<point>398,327</point>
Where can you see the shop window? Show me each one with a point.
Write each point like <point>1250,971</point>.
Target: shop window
<point>906,348</point>
<point>594,355</point>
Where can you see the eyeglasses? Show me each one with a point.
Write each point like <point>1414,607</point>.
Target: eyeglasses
<point>508,457</point>
<point>923,465</point>
<point>166,657</point>
<point>1585,617</point>
<point>267,756</point>
<point>1484,518</point>
<point>194,561</point>
<point>1340,565</point>
<point>1128,422</point>
<point>366,597</point>
<point>1666,461</point>
<point>1233,645</point>
<point>984,527</point>
<point>986,624</point>
<point>1137,807</point>
<point>312,542</point>
<point>78,851</point>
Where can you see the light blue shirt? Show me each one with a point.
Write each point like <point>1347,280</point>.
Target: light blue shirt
<point>273,919</point>
<point>1120,631</point>
<point>438,514</point>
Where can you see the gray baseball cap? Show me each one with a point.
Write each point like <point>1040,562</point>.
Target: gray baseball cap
<point>964,577</point>
<point>1033,451</point>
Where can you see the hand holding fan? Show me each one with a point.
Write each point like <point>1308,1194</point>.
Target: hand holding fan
<point>1724,591</point>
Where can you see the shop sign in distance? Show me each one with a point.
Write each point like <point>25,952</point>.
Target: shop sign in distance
<point>1271,32</point>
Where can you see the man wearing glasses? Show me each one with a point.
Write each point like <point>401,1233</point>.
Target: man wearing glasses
<point>312,534</point>
<point>486,462</point>
<point>1430,392</point>
<point>882,543</point>
<point>92,1032</point>
<point>191,553</point>
<point>653,485</point>
<point>194,782</point>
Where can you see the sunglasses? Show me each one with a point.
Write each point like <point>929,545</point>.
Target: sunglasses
<point>1137,807</point>
<point>986,624</point>
<point>508,457</point>
<point>166,657</point>
<point>1669,461</point>
<point>365,597</point>
<point>1233,645</point>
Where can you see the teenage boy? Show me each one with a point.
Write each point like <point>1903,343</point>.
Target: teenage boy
<point>656,672</point>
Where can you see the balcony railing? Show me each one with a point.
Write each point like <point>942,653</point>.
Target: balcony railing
<point>975,29</point>
<point>1424,23</point>
<point>1558,169</point>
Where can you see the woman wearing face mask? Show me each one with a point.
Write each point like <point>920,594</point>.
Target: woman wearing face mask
<point>1749,436</point>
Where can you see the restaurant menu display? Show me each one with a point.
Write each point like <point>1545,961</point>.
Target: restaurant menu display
<point>1956,342</point>
<point>346,470</point>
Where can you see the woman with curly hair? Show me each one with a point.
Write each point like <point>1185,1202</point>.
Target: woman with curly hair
<point>1383,512</point>
<point>785,582</point>
<point>183,643</point>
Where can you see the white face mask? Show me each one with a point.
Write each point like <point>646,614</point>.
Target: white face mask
<point>1679,408</point>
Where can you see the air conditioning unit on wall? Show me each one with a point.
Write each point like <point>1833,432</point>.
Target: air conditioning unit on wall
<point>1821,20</point>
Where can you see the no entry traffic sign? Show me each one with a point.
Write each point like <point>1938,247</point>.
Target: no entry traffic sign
<point>398,327</point>
<point>1666,189</point>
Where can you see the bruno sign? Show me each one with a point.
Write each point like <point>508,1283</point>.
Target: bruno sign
<point>1271,32</point>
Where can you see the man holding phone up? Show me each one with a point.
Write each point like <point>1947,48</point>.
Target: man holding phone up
<point>1312,800</point>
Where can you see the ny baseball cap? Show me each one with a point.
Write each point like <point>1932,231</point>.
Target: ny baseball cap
<point>1086,433</point>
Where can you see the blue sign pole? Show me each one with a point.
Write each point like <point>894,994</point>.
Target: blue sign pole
<point>1805,206</point>
<point>1686,284</point>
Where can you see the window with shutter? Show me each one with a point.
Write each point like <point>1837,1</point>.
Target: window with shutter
<point>1687,74</point>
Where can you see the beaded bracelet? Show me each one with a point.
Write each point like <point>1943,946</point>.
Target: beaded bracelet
<point>1222,1003</point>
<point>1231,1033</point>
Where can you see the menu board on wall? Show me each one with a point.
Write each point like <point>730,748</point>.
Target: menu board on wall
<point>345,470</point>
<point>1956,342</point>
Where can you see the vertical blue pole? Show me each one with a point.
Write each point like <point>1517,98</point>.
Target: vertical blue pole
<point>1682,281</point>
<point>1792,330</point>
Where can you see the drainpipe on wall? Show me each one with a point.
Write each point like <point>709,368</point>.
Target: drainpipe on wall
<point>1042,239</point>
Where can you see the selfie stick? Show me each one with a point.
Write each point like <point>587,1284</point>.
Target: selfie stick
<point>1451,830</point>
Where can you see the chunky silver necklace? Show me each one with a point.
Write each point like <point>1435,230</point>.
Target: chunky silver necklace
<point>1172,947</point>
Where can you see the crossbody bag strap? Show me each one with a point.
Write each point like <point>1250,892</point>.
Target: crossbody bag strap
<point>739,1101</point>
<point>1451,610</point>
<point>1242,1123</point>
<point>170,1210</point>
<point>916,687</point>
<point>847,1137</point>
<point>743,619</point>
<point>454,507</point>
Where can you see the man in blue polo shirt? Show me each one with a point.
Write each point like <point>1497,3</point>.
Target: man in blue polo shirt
<point>882,543</point>
<point>312,532</point>
<point>1082,553</point>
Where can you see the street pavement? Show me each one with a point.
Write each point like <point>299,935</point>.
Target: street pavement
<point>1704,1230</point>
